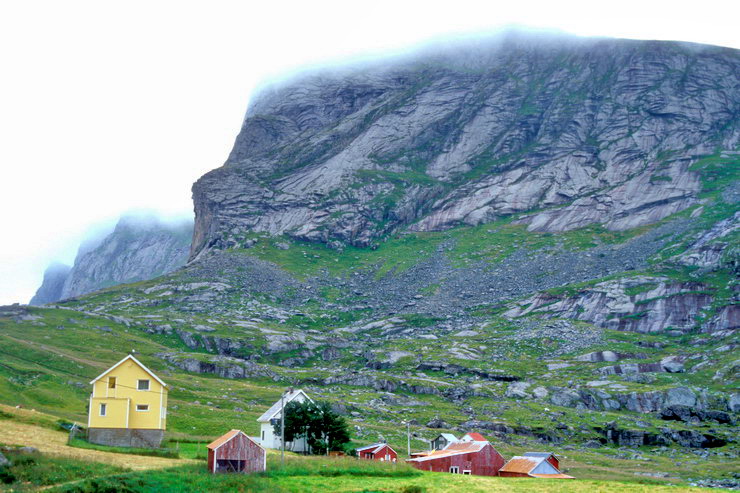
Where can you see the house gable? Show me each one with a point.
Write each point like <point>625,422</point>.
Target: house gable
<point>276,408</point>
<point>127,358</point>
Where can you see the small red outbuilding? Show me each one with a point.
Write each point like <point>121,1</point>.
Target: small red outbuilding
<point>378,451</point>
<point>236,452</point>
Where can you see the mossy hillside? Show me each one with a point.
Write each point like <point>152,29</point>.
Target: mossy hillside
<point>205,405</point>
<point>201,403</point>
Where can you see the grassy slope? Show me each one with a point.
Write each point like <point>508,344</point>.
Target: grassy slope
<point>47,363</point>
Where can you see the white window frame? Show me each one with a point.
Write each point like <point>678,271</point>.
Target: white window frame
<point>148,385</point>
<point>103,409</point>
<point>467,471</point>
<point>455,469</point>
<point>142,410</point>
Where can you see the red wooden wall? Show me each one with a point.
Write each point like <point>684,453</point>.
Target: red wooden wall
<point>239,448</point>
<point>485,462</point>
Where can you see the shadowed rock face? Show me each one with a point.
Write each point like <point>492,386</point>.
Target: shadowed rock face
<point>52,286</point>
<point>137,249</point>
<point>582,131</point>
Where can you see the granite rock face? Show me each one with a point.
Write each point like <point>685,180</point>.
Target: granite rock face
<point>136,250</point>
<point>659,305</point>
<point>53,284</point>
<point>581,131</point>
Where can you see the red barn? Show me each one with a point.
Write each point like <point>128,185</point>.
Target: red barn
<point>378,451</point>
<point>236,452</point>
<point>477,457</point>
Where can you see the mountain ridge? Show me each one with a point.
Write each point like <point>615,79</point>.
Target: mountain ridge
<point>138,248</point>
<point>583,131</point>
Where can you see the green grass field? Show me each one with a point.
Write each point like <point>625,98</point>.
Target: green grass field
<point>342,475</point>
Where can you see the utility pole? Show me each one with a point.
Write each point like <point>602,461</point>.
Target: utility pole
<point>282,430</point>
<point>408,438</point>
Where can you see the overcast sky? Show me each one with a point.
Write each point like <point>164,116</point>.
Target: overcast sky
<point>111,106</point>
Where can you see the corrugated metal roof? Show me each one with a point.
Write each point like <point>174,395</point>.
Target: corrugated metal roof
<point>421,454</point>
<point>223,439</point>
<point>538,454</point>
<point>477,437</point>
<point>552,476</point>
<point>275,408</point>
<point>448,436</point>
<point>380,447</point>
<point>453,449</point>
<point>373,446</point>
<point>522,465</point>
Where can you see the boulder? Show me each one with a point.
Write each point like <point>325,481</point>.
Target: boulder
<point>439,424</point>
<point>681,396</point>
<point>518,390</point>
<point>672,364</point>
<point>733,403</point>
<point>4,462</point>
<point>540,392</point>
<point>565,398</point>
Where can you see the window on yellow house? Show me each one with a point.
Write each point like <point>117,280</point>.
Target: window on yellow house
<point>143,385</point>
<point>102,409</point>
<point>111,382</point>
<point>142,407</point>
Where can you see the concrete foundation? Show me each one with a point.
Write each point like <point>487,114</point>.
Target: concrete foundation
<point>122,437</point>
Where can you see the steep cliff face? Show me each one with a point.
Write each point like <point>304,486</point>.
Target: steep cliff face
<point>136,250</point>
<point>52,286</point>
<point>580,131</point>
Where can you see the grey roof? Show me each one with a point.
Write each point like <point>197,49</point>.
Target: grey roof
<point>275,408</point>
<point>448,436</point>
<point>375,446</point>
<point>538,454</point>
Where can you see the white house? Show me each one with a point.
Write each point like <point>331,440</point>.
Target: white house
<point>268,438</point>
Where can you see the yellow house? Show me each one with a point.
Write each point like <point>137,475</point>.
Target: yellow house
<point>128,406</point>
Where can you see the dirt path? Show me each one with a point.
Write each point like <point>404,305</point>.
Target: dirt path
<point>55,443</point>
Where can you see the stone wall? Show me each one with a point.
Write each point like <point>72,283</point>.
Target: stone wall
<point>122,437</point>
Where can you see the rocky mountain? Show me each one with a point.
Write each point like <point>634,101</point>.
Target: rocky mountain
<point>53,284</point>
<point>139,248</point>
<point>572,132</point>
<point>533,237</point>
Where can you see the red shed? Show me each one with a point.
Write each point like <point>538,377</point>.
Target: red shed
<point>470,457</point>
<point>378,451</point>
<point>236,452</point>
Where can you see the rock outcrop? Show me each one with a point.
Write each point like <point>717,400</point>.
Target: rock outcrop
<point>657,304</point>
<point>583,131</point>
<point>139,248</point>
